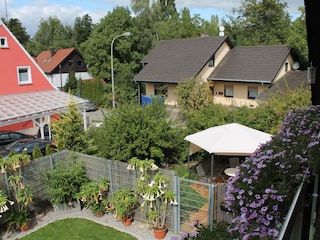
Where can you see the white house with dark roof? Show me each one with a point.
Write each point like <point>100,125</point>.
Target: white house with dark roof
<point>236,75</point>
<point>247,71</point>
<point>173,61</point>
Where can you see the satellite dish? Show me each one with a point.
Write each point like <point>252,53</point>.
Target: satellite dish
<point>295,65</point>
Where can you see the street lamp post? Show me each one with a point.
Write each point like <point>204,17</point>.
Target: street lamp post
<point>126,34</point>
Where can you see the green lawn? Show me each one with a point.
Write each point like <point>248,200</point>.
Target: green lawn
<point>77,228</point>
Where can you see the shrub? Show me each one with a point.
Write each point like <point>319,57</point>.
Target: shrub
<point>261,193</point>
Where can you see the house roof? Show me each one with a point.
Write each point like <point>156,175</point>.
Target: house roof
<point>291,80</point>
<point>174,60</point>
<point>50,59</point>
<point>13,56</point>
<point>21,107</point>
<point>251,64</point>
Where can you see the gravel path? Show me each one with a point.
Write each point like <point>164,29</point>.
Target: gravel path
<point>138,229</point>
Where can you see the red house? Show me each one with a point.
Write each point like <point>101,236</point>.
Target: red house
<point>27,98</point>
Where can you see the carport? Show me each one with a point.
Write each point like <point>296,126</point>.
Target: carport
<point>37,107</point>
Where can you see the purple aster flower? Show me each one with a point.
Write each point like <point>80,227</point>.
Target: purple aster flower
<point>193,234</point>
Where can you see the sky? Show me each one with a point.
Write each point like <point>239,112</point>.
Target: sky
<point>30,12</point>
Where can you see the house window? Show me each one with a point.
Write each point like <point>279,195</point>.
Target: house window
<point>160,89</point>
<point>24,75</point>
<point>286,66</point>
<point>228,91</point>
<point>3,42</point>
<point>79,63</point>
<point>211,61</point>
<point>252,92</point>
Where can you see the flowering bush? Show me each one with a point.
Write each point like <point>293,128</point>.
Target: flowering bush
<point>154,190</point>
<point>261,192</point>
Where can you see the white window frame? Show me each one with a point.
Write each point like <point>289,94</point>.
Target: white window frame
<point>3,42</point>
<point>228,91</point>
<point>26,75</point>
<point>252,90</point>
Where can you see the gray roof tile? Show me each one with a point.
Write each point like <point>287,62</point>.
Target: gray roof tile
<point>291,80</point>
<point>251,64</point>
<point>174,60</point>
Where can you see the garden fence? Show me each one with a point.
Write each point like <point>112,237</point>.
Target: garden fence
<point>197,200</point>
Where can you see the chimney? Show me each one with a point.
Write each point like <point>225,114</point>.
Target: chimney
<point>52,51</point>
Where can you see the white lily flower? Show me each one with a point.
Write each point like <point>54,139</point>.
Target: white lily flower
<point>153,167</point>
<point>151,183</point>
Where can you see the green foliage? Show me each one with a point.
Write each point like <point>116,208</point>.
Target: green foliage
<point>64,181</point>
<point>18,30</point>
<point>209,116</point>
<point>68,132</point>
<point>71,83</point>
<point>124,202</point>
<point>16,219</point>
<point>193,95</point>
<point>94,195</point>
<point>259,22</point>
<point>51,33</point>
<point>36,152</point>
<point>219,231</point>
<point>268,117</point>
<point>154,190</point>
<point>82,28</point>
<point>143,132</point>
<point>92,90</point>
<point>49,150</point>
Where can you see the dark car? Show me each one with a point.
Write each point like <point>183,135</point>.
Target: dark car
<point>7,137</point>
<point>90,106</point>
<point>27,145</point>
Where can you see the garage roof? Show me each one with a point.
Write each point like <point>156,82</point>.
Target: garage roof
<point>21,107</point>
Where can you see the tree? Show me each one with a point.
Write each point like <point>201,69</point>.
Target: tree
<point>18,30</point>
<point>51,33</point>
<point>97,50</point>
<point>68,131</point>
<point>126,51</point>
<point>142,132</point>
<point>256,22</point>
<point>193,95</point>
<point>82,29</point>
<point>71,83</point>
<point>298,39</point>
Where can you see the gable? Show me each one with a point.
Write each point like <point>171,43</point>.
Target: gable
<point>251,64</point>
<point>19,66</point>
<point>174,60</point>
<point>50,60</point>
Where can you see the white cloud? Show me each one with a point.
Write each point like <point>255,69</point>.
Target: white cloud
<point>31,12</point>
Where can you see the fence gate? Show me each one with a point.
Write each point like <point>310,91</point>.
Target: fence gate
<point>196,201</point>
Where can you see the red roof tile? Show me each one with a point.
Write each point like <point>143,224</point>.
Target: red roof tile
<point>48,63</point>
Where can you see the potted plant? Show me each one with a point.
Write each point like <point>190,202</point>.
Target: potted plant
<point>18,219</point>
<point>124,202</point>
<point>93,195</point>
<point>19,216</point>
<point>64,182</point>
<point>4,202</point>
<point>155,193</point>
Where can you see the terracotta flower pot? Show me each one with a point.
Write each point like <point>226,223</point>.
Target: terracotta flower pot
<point>160,233</point>
<point>127,221</point>
<point>25,228</point>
